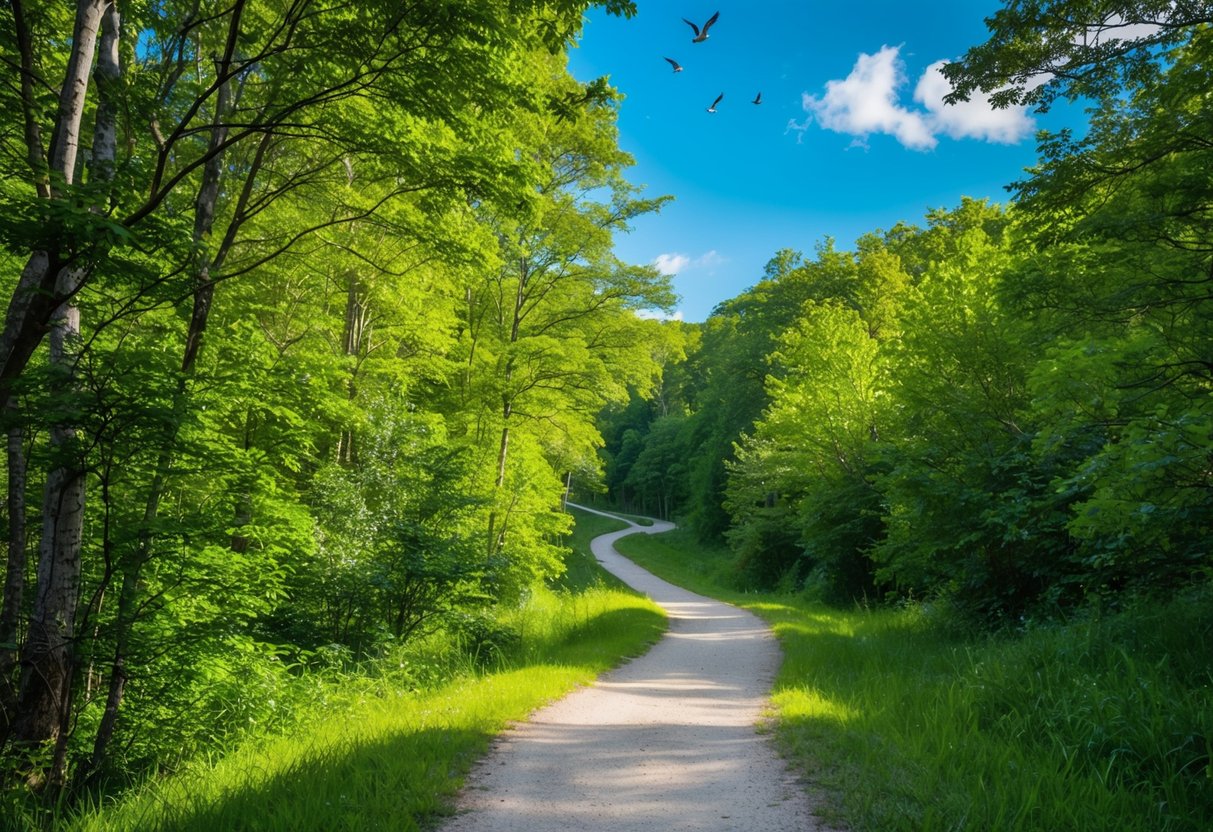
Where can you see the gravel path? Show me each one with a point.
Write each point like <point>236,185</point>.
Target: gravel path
<point>667,741</point>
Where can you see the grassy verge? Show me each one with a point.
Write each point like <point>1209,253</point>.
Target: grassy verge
<point>583,571</point>
<point>638,519</point>
<point>1104,723</point>
<point>376,756</point>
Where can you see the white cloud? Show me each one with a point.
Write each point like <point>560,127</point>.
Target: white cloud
<point>799,128</point>
<point>868,101</point>
<point>675,263</point>
<point>671,264</point>
<point>972,119</point>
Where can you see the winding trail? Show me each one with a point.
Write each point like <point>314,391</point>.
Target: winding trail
<point>668,741</point>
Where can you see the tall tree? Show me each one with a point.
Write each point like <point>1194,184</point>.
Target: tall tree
<point>299,100</point>
<point>42,710</point>
<point>551,333</point>
<point>810,447</point>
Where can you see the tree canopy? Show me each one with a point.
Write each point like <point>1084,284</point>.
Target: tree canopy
<point>1007,409</point>
<point>311,307</point>
<point>313,318</point>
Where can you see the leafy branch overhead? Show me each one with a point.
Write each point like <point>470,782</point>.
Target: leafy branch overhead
<point>259,253</point>
<point>1041,50</point>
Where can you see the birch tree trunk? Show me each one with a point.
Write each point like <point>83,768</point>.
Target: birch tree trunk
<point>204,288</point>
<point>353,342</point>
<point>35,300</point>
<point>44,704</point>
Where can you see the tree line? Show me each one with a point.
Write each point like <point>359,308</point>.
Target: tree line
<point>310,308</point>
<point>312,317</point>
<point>1008,409</point>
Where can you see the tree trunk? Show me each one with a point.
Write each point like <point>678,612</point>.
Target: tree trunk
<point>495,538</point>
<point>353,342</point>
<point>35,154</point>
<point>127,597</point>
<point>43,709</point>
<point>204,290</point>
<point>36,299</point>
<point>47,657</point>
<point>14,580</point>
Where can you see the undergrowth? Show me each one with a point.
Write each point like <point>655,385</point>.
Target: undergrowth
<point>385,745</point>
<point>1104,722</point>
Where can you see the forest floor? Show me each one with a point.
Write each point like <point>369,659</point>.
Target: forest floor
<point>670,740</point>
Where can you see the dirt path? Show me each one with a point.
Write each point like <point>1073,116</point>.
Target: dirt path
<point>665,742</point>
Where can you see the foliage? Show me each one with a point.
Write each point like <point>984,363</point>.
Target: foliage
<point>809,449</point>
<point>902,721</point>
<point>1044,49</point>
<point>311,427</point>
<point>1006,409</point>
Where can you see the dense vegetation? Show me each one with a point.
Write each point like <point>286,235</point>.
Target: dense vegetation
<point>310,310</point>
<point>312,317</point>
<point>901,723</point>
<point>387,745</point>
<point>1007,409</point>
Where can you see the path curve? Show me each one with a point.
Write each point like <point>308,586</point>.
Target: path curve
<point>667,741</point>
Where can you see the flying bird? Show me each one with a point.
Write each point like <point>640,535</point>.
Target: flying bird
<point>712,109</point>
<point>701,35</point>
<point>757,99</point>
<point>677,66</point>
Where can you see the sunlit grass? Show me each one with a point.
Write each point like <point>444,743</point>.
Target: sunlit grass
<point>381,757</point>
<point>638,519</point>
<point>582,569</point>
<point>1105,723</point>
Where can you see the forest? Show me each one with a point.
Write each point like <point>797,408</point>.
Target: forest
<point>1006,408</point>
<point>313,320</point>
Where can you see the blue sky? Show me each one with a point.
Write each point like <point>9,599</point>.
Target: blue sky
<point>850,137</point>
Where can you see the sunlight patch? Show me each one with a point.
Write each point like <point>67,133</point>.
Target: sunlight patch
<point>809,703</point>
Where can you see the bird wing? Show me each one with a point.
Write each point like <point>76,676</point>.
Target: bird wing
<point>692,25</point>
<point>758,98</point>
<point>717,101</point>
<point>673,62</point>
<point>707,25</point>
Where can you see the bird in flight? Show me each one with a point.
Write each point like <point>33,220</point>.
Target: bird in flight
<point>677,66</point>
<point>701,35</point>
<point>757,99</point>
<point>712,109</point>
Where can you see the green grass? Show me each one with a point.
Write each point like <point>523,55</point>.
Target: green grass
<point>638,519</point>
<point>382,757</point>
<point>583,570</point>
<point>1104,723</point>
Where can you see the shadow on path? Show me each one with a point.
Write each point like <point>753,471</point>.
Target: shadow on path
<point>667,741</point>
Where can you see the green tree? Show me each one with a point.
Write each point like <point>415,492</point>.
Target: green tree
<point>311,121</point>
<point>970,512</point>
<point>551,334</point>
<point>657,479</point>
<point>1078,49</point>
<point>1119,274</point>
<point>803,474</point>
